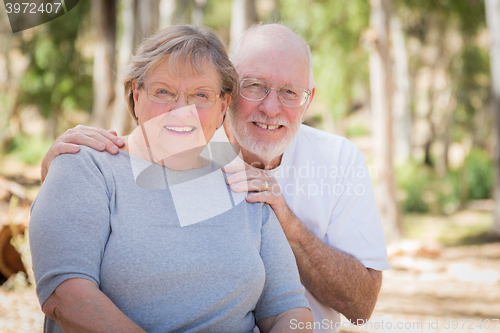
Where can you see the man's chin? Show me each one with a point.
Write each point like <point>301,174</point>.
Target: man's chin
<point>265,149</point>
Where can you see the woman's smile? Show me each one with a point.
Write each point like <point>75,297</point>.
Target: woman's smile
<point>180,130</point>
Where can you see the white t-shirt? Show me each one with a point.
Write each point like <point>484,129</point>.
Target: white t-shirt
<point>326,183</point>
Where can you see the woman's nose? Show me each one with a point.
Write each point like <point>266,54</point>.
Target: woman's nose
<point>180,101</point>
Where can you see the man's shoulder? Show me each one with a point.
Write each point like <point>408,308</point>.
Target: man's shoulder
<point>315,135</point>
<point>313,140</point>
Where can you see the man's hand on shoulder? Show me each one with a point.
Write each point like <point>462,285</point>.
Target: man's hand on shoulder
<point>261,186</point>
<point>264,188</point>
<point>95,138</point>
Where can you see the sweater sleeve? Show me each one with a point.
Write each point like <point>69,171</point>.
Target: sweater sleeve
<point>282,289</point>
<point>69,224</point>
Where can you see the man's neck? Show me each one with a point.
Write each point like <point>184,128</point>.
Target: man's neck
<point>257,162</point>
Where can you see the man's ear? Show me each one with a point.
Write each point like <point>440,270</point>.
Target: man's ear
<point>313,90</point>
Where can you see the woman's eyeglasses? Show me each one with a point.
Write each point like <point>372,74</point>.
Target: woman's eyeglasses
<point>163,94</point>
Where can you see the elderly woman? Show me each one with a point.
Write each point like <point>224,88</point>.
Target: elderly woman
<point>120,245</point>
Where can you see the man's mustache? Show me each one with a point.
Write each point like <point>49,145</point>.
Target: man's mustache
<point>268,121</point>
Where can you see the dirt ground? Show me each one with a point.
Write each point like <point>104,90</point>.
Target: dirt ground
<point>459,289</point>
<point>432,288</point>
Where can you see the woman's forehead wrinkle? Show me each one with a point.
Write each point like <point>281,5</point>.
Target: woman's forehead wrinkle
<point>206,74</point>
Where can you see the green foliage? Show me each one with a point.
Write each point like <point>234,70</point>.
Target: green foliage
<point>461,228</point>
<point>413,180</point>
<point>356,130</point>
<point>57,77</point>
<point>218,17</point>
<point>425,191</point>
<point>469,13</point>
<point>479,174</point>
<point>467,66</point>
<point>333,31</point>
<point>29,149</point>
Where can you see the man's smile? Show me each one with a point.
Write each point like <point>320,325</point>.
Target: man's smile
<point>264,126</point>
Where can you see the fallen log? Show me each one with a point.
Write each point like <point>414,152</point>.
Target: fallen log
<point>10,259</point>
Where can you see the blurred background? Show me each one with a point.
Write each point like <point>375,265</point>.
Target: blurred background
<point>409,81</point>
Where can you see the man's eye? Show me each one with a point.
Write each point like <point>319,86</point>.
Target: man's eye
<point>290,93</point>
<point>254,86</point>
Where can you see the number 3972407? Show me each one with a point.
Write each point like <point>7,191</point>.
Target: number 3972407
<point>32,8</point>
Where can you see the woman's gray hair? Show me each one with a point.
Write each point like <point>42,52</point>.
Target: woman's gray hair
<point>180,45</point>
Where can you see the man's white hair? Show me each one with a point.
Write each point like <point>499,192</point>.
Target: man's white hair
<point>283,33</point>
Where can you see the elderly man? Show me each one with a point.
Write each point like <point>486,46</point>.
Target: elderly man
<point>317,183</point>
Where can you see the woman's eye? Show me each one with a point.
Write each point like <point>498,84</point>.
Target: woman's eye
<point>202,95</point>
<point>253,86</point>
<point>162,92</point>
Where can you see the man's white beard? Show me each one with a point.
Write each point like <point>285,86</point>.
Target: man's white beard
<point>267,150</point>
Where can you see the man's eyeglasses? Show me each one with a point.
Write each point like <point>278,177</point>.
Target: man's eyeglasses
<point>257,90</point>
<point>163,94</point>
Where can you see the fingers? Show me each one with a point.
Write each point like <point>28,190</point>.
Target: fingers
<point>236,167</point>
<point>236,178</point>
<point>57,148</point>
<point>272,196</point>
<point>259,197</point>
<point>250,185</point>
<point>113,132</point>
<point>249,174</point>
<point>63,148</point>
<point>95,138</point>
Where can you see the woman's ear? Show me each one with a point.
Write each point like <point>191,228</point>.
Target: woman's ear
<point>226,100</point>
<point>135,94</point>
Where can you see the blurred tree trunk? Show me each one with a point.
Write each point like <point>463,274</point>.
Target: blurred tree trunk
<point>167,9</point>
<point>275,13</point>
<point>381,104</point>
<point>9,85</point>
<point>147,15</point>
<point>243,15</point>
<point>493,22</point>
<point>121,120</point>
<point>104,21</point>
<point>198,11</point>
<point>139,19</point>
<point>401,99</point>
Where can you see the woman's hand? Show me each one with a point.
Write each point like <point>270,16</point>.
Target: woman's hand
<point>297,320</point>
<point>95,138</point>
<point>78,305</point>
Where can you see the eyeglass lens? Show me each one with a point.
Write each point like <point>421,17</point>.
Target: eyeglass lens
<point>163,94</point>
<point>257,90</point>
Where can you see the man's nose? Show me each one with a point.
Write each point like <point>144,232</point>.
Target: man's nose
<point>271,105</point>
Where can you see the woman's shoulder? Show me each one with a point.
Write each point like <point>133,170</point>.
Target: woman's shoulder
<point>89,161</point>
<point>89,156</point>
